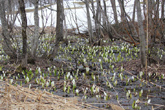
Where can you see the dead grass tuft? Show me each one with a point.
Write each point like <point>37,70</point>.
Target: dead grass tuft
<point>20,98</point>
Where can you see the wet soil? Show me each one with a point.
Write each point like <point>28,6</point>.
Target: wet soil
<point>126,87</point>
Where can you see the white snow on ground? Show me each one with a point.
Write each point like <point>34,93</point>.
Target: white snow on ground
<point>72,16</point>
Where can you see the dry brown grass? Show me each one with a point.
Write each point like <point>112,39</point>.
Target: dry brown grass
<point>21,98</point>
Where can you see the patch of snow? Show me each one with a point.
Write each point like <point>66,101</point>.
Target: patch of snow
<point>73,15</point>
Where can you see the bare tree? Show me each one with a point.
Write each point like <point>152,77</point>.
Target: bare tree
<point>121,4</point>
<point>104,14</point>
<point>134,9</point>
<point>24,36</point>
<point>9,10</point>
<point>36,30</point>
<point>162,9</point>
<point>150,10</point>
<point>98,20</point>
<point>7,44</point>
<point>11,15</point>
<point>90,30</point>
<point>60,18</point>
<point>156,11</point>
<point>144,8</point>
<point>93,11</point>
<point>93,8</point>
<point>42,16</point>
<point>113,3</point>
<point>59,28</point>
<point>163,18</point>
<point>141,35</point>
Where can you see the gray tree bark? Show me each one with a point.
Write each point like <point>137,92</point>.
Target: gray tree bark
<point>121,4</point>
<point>104,15</point>
<point>9,10</point>
<point>162,9</point>
<point>60,19</point>
<point>7,44</point>
<point>150,20</point>
<point>24,36</point>
<point>150,11</point>
<point>36,30</point>
<point>59,28</point>
<point>141,36</point>
<point>134,9</point>
<point>156,11</point>
<point>163,16</point>
<point>144,8</point>
<point>98,20</point>
<point>93,8</point>
<point>93,12</point>
<point>90,30</point>
<point>113,3</point>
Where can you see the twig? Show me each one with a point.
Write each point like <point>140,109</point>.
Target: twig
<point>143,80</point>
<point>113,89</point>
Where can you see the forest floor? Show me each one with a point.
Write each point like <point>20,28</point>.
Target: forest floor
<point>102,77</point>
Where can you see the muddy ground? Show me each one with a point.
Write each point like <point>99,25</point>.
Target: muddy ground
<point>110,80</point>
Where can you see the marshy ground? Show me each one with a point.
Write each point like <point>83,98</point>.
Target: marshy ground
<point>97,75</point>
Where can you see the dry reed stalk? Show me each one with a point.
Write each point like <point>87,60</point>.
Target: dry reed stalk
<point>21,98</point>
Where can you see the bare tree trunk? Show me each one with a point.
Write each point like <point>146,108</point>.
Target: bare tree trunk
<point>93,12</point>
<point>104,15</point>
<point>24,36</point>
<point>144,8</point>
<point>7,44</point>
<point>59,28</point>
<point>155,21</point>
<point>121,4</point>
<point>51,18</point>
<point>113,3</point>
<point>93,8</point>
<point>163,18</point>
<point>11,16</point>
<point>98,21</point>
<point>75,20</point>
<point>141,36</point>
<point>42,16</point>
<point>156,10</point>
<point>36,30</point>
<point>150,8</point>
<point>89,23</point>
<point>9,11</point>
<point>60,18</point>
<point>134,9</point>
<point>162,9</point>
<point>150,11</point>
